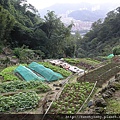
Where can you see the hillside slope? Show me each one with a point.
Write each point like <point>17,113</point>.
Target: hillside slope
<point>103,36</point>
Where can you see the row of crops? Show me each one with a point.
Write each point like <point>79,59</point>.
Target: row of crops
<point>101,74</point>
<point>62,71</point>
<point>71,98</point>
<point>17,95</point>
<point>19,102</point>
<point>86,60</point>
<point>85,63</point>
<point>8,73</point>
<point>14,86</point>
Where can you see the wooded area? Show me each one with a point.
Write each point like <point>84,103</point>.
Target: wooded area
<point>21,27</point>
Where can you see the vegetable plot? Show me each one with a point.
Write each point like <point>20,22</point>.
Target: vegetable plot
<point>19,102</point>
<point>101,74</point>
<point>71,98</point>
<point>8,74</point>
<point>57,69</point>
<point>22,85</point>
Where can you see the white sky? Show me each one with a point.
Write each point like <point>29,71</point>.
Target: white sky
<point>46,3</point>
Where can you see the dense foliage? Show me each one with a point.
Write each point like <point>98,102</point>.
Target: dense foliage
<point>20,24</point>
<point>103,36</point>
<point>116,50</point>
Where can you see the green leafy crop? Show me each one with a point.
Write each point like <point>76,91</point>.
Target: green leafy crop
<point>62,71</point>
<point>14,86</point>
<point>19,102</point>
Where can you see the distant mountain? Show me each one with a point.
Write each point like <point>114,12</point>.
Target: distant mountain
<point>87,15</point>
<point>81,14</point>
<point>63,8</point>
<point>67,8</point>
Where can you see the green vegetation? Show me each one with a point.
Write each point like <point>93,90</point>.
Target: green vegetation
<point>19,102</point>
<point>116,50</point>
<point>101,74</point>
<point>113,106</point>
<point>71,60</point>
<point>21,25</point>
<point>84,63</point>
<point>26,55</point>
<point>103,36</point>
<point>8,73</point>
<point>62,71</point>
<point>23,85</point>
<point>71,98</point>
<point>32,38</point>
<point>78,60</point>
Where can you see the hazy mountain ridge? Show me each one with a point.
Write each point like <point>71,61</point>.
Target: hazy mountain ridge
<point>81,14</point>
<point>87,15</point>
<point>68,8</point>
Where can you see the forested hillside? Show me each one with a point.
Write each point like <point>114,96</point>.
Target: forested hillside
<point>22,27</point>
<point>20,24</point>
<point>103,36</point>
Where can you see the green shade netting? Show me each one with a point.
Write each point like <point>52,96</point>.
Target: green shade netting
<point>110,56</point>
<point>47,73</point>
<point>27,74</point>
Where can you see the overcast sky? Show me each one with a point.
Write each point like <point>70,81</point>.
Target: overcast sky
<point>46,3</point>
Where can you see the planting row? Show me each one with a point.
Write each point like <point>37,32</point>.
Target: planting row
<point>101,74</point>
<point>8,73</point>
<point>71,98</point>
<point>82,63</point>
<point>62,71</point>
<point>19,102</point>
<point>21,85</point>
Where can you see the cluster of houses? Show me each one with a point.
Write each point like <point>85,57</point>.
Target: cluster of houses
<point>67,66</point>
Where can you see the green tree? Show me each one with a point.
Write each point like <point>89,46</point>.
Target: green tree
<point>7,22</point>
<point>56,34</point>
<point>116,50</point>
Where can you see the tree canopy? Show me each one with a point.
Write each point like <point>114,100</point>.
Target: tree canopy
<point>20,24</point>
<point>103,36</point>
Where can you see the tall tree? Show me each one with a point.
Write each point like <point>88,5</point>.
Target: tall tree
<point>56,33</point>
<point>7,22</point>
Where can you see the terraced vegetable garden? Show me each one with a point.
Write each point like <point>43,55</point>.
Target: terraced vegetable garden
<point>71,98</point>
<point>83,63</point>
<point>8,73</point>
<point>27,95</point>
<point>19,102</point>
<point>16,95</point>
<point>101,74</point>
<point>14,86</point>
